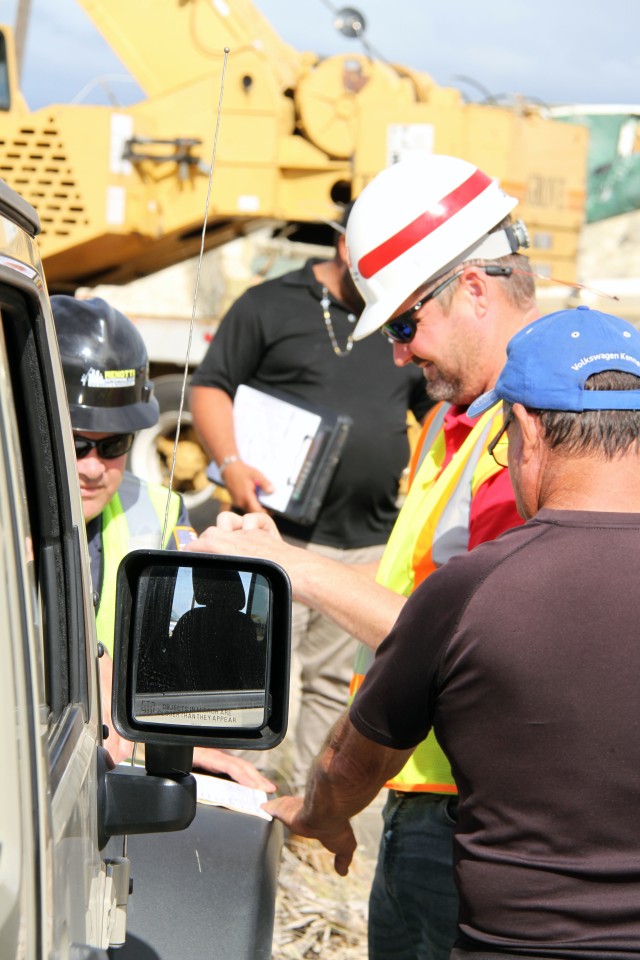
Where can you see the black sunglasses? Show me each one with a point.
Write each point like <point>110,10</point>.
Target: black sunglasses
<point>108,448</point>
<point>402,329</point>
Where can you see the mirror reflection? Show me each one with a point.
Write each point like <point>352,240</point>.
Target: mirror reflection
<point>202,635</point>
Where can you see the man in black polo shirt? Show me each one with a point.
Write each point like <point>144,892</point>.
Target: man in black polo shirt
<point>523,656</point>
<point>294,334</point>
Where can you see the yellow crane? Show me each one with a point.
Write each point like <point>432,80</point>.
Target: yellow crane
<point>121,191</point>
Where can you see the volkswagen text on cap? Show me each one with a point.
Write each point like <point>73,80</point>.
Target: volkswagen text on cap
<point>550,361</point>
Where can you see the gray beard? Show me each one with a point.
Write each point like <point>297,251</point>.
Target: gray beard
<point>444,390</point>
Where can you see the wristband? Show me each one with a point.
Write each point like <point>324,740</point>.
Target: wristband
<point>232,458</point>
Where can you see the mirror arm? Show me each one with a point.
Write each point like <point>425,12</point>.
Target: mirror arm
<point>133,801</point>
<point>168,760</point>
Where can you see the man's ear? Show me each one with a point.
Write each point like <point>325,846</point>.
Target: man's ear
<point>474,281</point>
<point>530,430</point>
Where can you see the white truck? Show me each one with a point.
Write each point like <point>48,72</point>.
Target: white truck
<point>65,876</point>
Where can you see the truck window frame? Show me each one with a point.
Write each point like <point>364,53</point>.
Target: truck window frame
<point>56,542</point>
<point>5,85</point>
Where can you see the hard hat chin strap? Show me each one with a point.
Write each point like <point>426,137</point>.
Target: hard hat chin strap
<point>147,392</point>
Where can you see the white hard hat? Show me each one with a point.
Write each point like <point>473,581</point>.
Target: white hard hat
<point>416,220</point>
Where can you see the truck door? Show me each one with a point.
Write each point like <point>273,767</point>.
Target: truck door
<point>50,866</point>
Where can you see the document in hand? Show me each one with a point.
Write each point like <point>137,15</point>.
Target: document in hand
<point>297,446</point>
<point>226,793</point>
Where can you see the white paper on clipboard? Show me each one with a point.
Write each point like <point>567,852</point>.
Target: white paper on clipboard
<point>274,436</point>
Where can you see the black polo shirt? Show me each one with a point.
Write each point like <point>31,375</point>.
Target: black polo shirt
<point>274,336</point>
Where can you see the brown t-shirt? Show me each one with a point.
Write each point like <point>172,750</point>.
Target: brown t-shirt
<point>524,656</point>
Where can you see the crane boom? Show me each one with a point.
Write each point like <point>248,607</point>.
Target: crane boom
<point>120,191</point>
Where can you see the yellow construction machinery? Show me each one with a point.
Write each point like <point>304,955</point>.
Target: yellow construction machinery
<point>121,192</point>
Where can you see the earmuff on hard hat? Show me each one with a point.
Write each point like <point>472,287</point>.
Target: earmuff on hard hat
<point>416,220</point>
<point>105,365</point>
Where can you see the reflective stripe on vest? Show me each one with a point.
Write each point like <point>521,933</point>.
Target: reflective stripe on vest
<point>432,527</point>
<point>133,519</point>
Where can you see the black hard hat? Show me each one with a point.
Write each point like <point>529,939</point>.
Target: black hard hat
<point>106,367</point>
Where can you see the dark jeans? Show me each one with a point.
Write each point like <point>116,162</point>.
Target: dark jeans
<point>413,908</point>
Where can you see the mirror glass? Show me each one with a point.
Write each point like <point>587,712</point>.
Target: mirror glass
<point>201,641</point>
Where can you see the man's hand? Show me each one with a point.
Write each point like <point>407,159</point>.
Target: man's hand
<point>227,520</point>
<point>339,839</point>
<point>119,748</point>
<point>253,535</point>
<point>219,761</point>
<point>243,482</point>
<point>343,779</point>
<point>346,593</point>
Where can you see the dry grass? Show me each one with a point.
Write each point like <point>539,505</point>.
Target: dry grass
<point>318,913</point>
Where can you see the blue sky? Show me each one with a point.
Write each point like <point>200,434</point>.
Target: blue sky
<point>556,51</point>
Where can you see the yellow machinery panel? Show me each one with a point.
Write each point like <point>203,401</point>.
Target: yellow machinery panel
<point>536,160</point>
<point>121,191</point>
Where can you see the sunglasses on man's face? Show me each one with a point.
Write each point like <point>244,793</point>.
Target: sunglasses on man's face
<point>108,448</point>
<point>402,329</point>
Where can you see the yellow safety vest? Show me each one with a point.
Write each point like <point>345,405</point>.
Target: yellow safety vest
<point>432,527</point>
<point>133,519</point>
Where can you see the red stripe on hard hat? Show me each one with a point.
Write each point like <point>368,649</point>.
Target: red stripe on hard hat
<point>423,225</point>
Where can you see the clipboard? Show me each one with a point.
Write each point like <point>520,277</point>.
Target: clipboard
<point>296,444</point>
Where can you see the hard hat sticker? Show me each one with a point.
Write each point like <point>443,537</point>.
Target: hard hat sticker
<point>108,378</point>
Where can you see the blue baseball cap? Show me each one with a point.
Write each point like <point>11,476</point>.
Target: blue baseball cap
<point>549,362</point>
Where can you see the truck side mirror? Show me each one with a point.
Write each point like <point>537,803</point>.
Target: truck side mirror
<point>202,650</point>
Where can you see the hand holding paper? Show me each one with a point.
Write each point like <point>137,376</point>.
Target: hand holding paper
<point>288,452</point>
